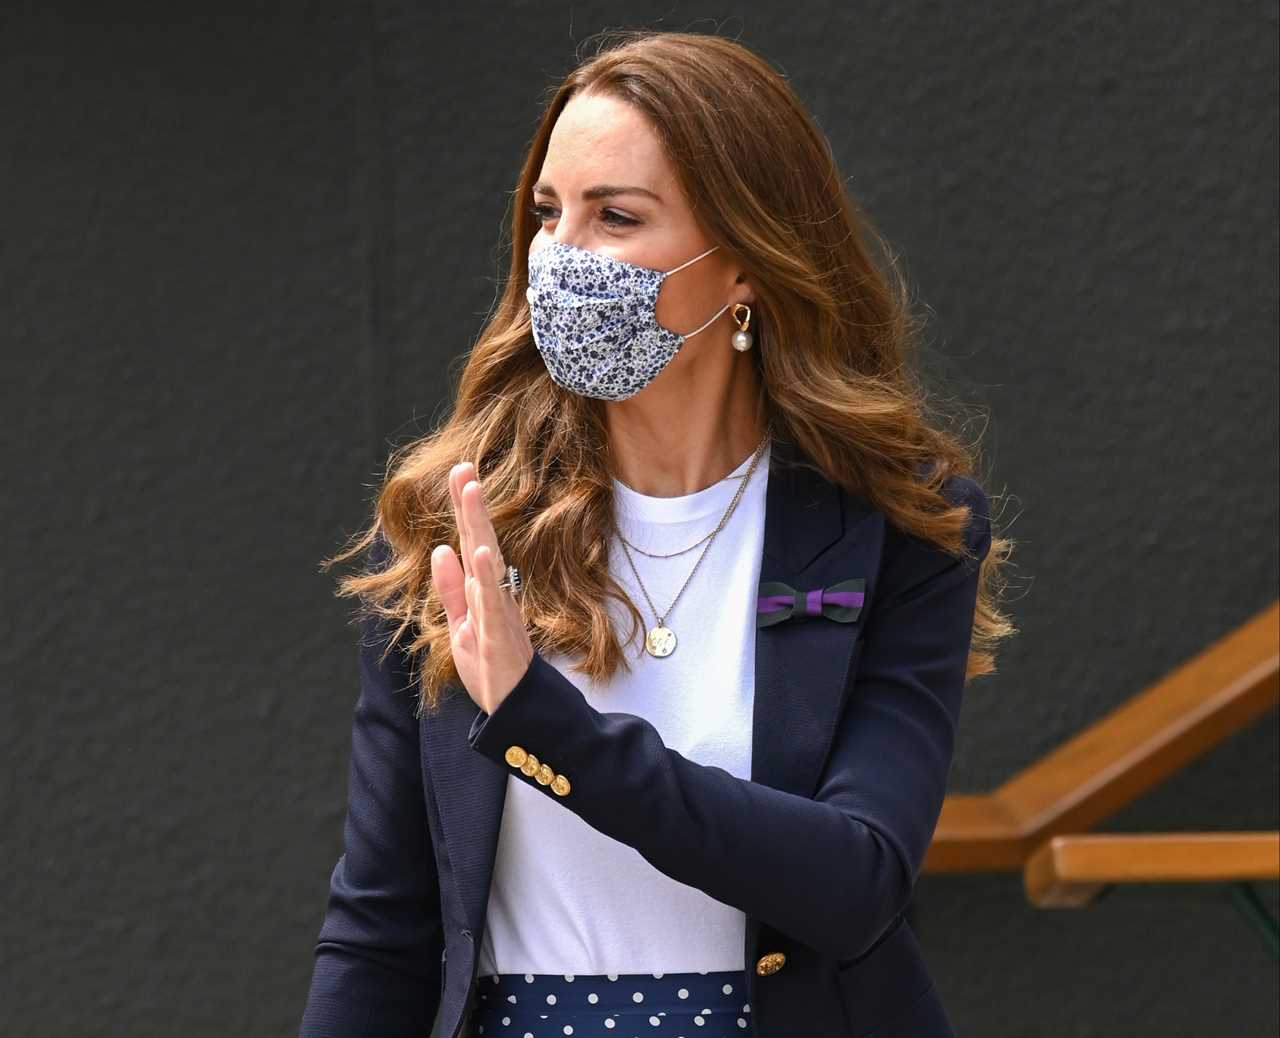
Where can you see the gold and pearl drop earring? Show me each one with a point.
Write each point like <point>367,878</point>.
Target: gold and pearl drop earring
<point>742,338</point>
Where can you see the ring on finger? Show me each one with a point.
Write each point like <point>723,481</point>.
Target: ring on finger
<point>511,580</point>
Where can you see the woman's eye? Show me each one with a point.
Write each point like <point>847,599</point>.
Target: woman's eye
<point>541,212</point>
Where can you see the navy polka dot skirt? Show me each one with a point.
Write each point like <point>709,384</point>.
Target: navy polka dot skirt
<point>613,1005</point>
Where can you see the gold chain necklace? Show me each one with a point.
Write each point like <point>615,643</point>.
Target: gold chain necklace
<point>685,551</point>
<point>661,640</point>
<point>682,551</point>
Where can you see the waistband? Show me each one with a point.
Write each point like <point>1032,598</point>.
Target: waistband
<point>562,996</point>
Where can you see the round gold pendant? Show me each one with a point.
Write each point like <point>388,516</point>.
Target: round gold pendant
<point>661,641</point>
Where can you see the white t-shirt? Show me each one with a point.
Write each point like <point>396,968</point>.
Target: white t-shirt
<point>565,898</point>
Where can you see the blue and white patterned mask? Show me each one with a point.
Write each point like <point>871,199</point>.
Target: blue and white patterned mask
<point>595,320</point>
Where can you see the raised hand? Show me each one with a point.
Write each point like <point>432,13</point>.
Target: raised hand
<point>490,644</point>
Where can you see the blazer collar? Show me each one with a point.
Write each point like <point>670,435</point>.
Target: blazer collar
<point>801,674</point>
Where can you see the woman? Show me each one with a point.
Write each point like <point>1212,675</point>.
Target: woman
<point>687,420</point>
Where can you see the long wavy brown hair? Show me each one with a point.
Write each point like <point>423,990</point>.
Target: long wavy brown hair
<point>834,331</point>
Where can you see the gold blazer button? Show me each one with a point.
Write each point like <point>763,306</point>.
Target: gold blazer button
<point>770,963</point>
<point>515,755</point>
<point>530,765</point>
<point>544,775</point>
<point>560,786</point>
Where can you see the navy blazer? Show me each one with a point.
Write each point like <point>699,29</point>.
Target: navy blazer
<point>853,729</point>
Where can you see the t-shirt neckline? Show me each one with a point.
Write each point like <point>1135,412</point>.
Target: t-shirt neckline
<point>710,500</point>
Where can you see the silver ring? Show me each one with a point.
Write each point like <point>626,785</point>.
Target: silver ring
<point>511,581</point>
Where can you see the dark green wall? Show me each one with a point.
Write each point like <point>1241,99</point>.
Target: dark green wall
<point>243,252</point>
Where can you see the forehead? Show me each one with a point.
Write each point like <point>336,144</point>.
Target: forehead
<point>603,138</point>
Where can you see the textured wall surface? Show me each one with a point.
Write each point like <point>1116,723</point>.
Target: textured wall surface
<point>245,252</point>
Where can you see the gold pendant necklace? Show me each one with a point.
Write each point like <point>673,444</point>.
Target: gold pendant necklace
<point>661,639</point>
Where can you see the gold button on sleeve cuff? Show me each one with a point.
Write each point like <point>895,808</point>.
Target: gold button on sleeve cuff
<point>539,771</point>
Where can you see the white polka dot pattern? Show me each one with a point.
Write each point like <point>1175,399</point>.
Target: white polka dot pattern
<point>538,1005</point>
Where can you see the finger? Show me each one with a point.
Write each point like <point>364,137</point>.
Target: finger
<point>505,609</point>
<point>479,525</point>
<point>448,576</point>
<point>467,474</point>
<point>473,603</point>
<point>487,591</point>
<point>504,615</point>
<point>458,475</point>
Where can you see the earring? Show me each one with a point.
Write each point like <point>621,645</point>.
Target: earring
<point>742,338</point>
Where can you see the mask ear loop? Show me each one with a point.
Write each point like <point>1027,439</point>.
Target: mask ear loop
<point>689,335</point>
<point>695,259</point>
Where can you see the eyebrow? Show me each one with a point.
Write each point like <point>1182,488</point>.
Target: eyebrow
<point>600,191</point>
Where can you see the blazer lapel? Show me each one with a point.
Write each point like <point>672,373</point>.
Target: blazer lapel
<point>801,669</point>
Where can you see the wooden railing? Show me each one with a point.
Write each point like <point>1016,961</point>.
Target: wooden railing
<point>1070,871</point>
<point>1073,871</point>
<point>1118,758</point>
<point>1038,820</point>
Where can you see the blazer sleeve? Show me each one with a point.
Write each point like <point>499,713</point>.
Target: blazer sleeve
<point>831,871</point>
<point>377,963</point>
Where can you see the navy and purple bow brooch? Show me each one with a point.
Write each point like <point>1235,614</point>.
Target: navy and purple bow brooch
<point>779,602</point>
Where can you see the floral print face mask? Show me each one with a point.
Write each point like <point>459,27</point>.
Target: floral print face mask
<point>595,320</point>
